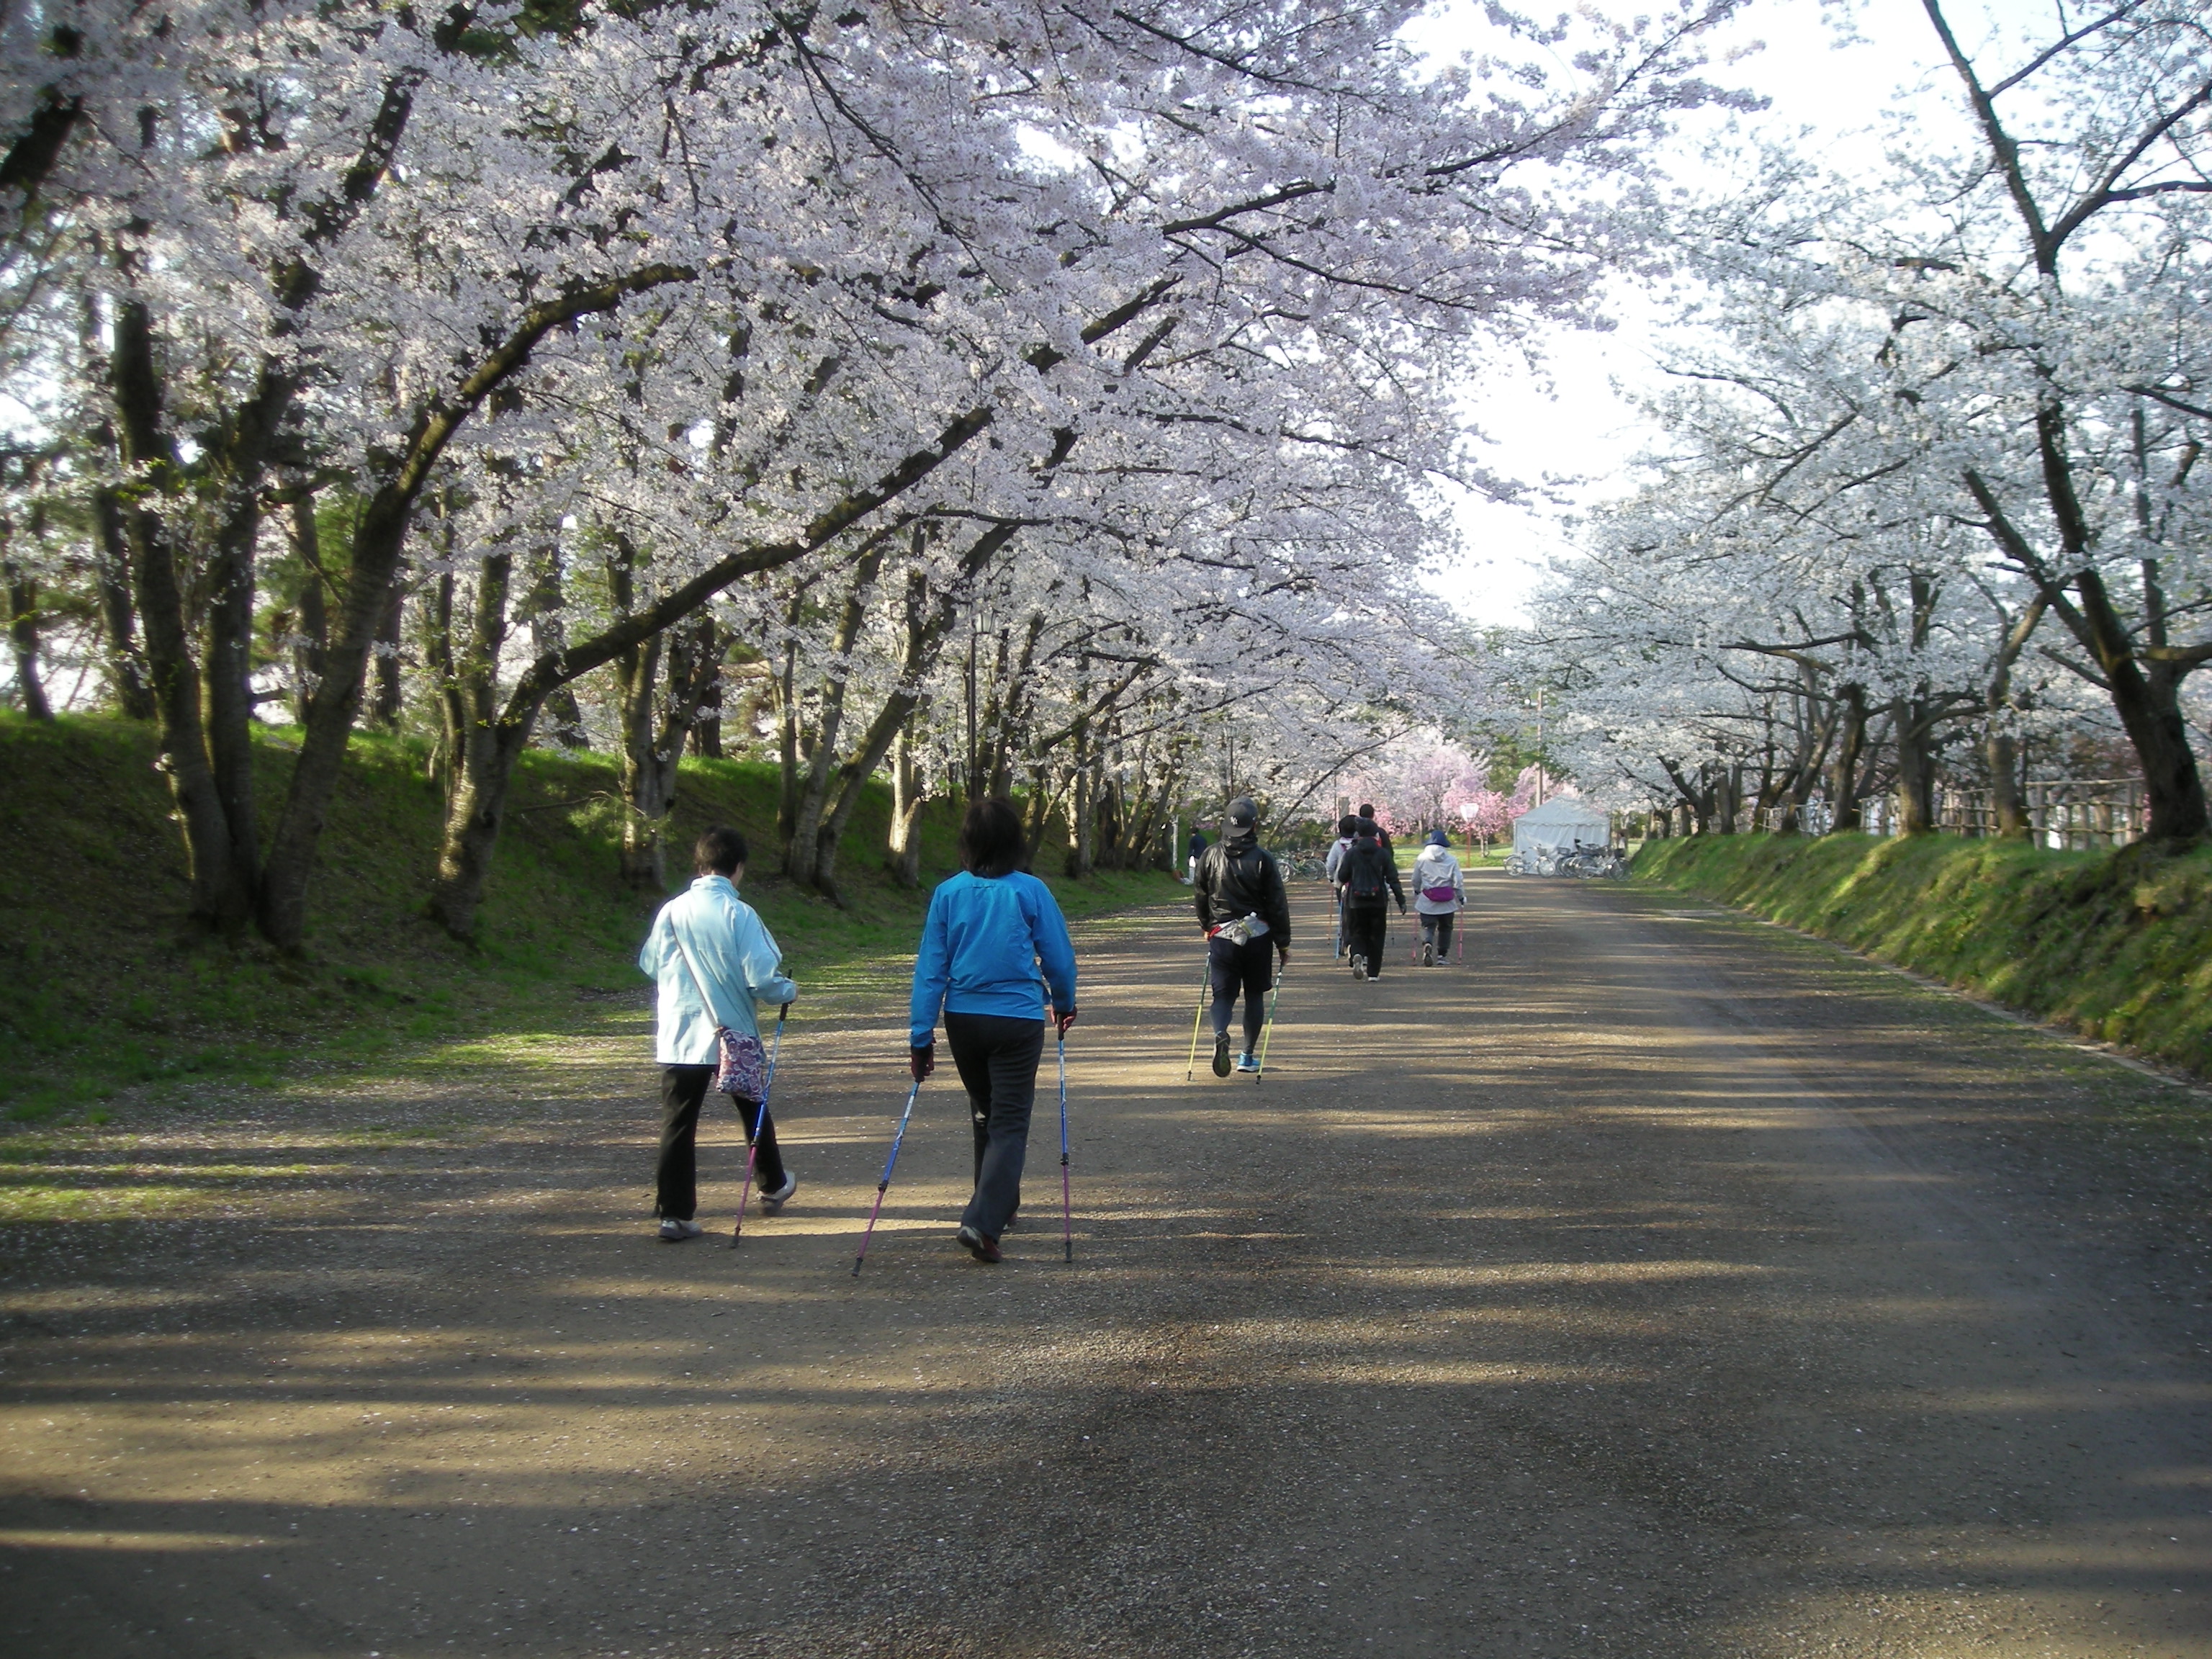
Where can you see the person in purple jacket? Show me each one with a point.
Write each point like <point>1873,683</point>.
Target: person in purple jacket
<point>990,929</point>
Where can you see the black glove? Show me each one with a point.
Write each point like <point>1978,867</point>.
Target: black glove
<point>923,1061</point>
<point>1063,1019</point>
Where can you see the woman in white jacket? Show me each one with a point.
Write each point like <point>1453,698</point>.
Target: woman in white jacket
<point>1439,894</point>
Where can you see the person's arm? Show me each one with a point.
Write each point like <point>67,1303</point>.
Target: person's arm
<point>1334,861</point>
<point>1275,907</point>
<point>763,964</point>
<point>1200,880</point>
<point>654,951</point>
<point>1390,869</point>
<point>1056,950</point>
<point>933,976</point>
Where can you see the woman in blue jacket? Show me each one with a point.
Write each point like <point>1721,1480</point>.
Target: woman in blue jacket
<point>990,929</point>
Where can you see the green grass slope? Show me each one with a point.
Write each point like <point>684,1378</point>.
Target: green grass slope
<point>104,990</point>
<point>2117,944</point>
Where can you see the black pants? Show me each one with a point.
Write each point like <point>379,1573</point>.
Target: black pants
<point>1366,928</point>
<point>1437,931</point>
<point>1248,968</point>
<point>997,1058</point>
<point>682,1092</point>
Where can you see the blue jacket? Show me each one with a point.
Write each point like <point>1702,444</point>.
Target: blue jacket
<point>731,952</point>
<point>981,949</point>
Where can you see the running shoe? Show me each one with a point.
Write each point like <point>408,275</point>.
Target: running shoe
<point>1221,1055</point>
<point>673,1231</point>
<point>982,1249</point>
<point>1248,1061</point>
<point>775,1200</point>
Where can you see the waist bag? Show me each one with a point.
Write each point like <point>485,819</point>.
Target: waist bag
<point>1440,894</point>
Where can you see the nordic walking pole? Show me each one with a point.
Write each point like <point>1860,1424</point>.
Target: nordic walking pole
<point>1269,1031</point>
<point>1067,1202</point>
<point>883,1186</point>
<point>1197,1015</point>
<point>760,1124</point>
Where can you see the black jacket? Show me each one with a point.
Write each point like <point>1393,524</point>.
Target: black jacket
<point>1381,853</point>
<point>1240,878</point>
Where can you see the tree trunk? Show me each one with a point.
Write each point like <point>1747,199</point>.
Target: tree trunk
<point>312,647</point>
<point>809,793</point>
<point>388,703</point>
<point>220,899</point>
<point>118,617</point>
<point>903,846</point>
<point>483,766</point>
<point>1843,769</point>
<point>544,606</point>
<point>1916,767</point>
<point>23,635</point>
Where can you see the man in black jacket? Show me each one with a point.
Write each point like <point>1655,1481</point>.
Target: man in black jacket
<point>1367,878</point>
<point>1246,914</point>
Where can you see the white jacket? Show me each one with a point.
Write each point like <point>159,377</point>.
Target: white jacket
<point>709,939</point>
<point>1436,867</point>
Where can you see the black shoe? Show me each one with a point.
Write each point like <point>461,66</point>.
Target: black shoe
<point>982,1249</point>
<point>1221,1055</point>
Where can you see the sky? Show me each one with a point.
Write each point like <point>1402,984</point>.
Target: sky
<point>1835,91</point>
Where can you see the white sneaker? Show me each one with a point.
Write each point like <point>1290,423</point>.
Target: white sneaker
<point>774,1200</point>
<point>673,1231</point>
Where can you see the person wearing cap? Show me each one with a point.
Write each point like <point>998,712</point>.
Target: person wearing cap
<point>1439,894</point>
<point>1246,916</point>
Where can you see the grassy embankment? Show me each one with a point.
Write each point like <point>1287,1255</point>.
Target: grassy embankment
<point>103,991</point>
<point>2115,944</point>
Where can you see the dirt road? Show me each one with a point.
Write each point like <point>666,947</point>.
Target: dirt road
<point>1657,1284</point>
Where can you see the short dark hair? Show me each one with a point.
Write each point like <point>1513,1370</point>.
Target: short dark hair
<point>720,851</point>
<point>1347,825</point>
<point>991,837</point>
<point>1367,808</point>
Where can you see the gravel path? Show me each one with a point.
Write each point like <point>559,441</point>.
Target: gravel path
<point>1658,1284</point>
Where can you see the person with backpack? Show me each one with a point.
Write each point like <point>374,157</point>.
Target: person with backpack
<point>1367,876</point>
<point>993,946</point>
<point>1246,916</point>
<point>1439,894</point>
<point>715,963</point>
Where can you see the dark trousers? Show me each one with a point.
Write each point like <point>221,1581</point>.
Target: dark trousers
<point>1366,926</point>
<point>682,1092</point>
<point>1248,968</point>
<point>997,1059</point>
<point>1437,931</point>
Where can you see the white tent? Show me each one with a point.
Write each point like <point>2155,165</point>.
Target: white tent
<point>1559,824</point>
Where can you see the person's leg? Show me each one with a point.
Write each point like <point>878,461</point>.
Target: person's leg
<point>1365,930</point>
<point>675,1176</point>
<point>1429,928</point>
<point>1223,967</point>
<point>1259,960</point>
<point>768,1159</point>
<point>1016,1047</point>
<point>1443,934</point>
<point>971,1058</point>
